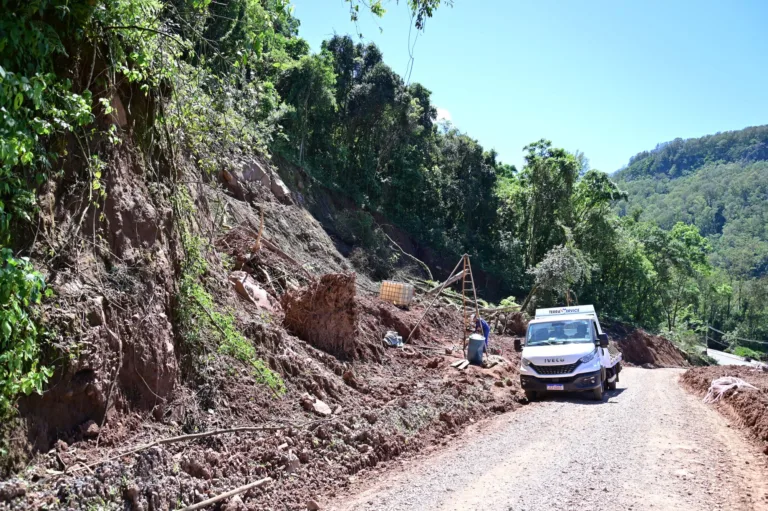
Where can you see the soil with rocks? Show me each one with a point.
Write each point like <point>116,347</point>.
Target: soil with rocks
<point>641,348</point>
<point>747,407</point>
<point>128,378</point>
<point>336,419</point>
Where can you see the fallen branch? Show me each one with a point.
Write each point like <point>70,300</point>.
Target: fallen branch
<point>422,263</point>
<point>257,243</point>
<point>448,282</point>
<point>193,436</point>
<point>231,493</point>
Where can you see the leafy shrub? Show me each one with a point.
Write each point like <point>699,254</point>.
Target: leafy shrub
<point>743,351</point>
<point>21,287</point>
<point>199,317</point>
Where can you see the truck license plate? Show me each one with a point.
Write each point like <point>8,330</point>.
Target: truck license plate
<point>553,386</point>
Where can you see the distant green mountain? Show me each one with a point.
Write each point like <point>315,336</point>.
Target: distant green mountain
<point>719,183</point>
<point>683,157</point>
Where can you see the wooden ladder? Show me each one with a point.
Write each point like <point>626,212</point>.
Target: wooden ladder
<point>467,284</point>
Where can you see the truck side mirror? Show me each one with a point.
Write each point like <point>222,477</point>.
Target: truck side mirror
<point>518,345</point>
<point>603,338</point>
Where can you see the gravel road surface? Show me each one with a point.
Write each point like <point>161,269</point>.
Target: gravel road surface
<point>650,445</point>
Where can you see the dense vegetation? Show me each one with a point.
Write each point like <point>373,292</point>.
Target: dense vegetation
<point>215,80</point>
<point>548,231</point>
<point>718,183</point>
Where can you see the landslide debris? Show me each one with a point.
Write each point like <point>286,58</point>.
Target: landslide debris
<point>133,378</point>
<point>747,407</point>
<point>324,314</point>
<point>642,348</point>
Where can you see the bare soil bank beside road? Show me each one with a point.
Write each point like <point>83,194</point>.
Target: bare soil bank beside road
<point>747,407</point>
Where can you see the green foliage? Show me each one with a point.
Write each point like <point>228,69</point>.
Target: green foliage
<point>718,183</point>
<point>682,157</point>
<point>743,351</point>
<point>420,9</point>
<point>21,287</point>
<point>199,316</point>
<point>562,268</point>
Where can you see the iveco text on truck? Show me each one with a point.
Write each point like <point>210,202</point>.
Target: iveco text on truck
<point>566,350</point>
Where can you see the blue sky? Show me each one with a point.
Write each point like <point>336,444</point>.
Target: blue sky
<point>604,77</point>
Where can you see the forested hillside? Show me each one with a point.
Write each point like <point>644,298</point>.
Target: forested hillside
<point>718,183</point>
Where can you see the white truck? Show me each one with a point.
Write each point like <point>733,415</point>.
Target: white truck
<point>566,350</point>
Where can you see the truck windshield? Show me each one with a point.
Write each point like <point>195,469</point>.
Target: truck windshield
<point>559,332</point>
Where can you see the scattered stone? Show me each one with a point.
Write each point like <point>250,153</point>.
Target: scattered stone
<point>434,363</point>
<point>499,383</point>
<point>195,468</point>
<point>312,505</point>
<point>279,189</point>
<point>448,351</point>
<point>234,504</point>
<point>12,489</point>
<point>349,379</point>
<point>292,464</point>
<point>321,408</point>
<point>62,446</point>
<point>131,493</point>
<point>90,429</point>
<point>337,410</point>
<point>95,311</point>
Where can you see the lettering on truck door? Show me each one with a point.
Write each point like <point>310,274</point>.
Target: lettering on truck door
<point>605,357</point>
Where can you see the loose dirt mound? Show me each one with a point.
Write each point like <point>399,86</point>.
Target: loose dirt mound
<point>748,407</point>
<point>325,314</point>
<point>639,347</point>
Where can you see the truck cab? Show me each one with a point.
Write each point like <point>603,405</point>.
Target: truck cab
<point>566,350</point>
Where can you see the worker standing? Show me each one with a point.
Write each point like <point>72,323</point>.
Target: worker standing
<point>481,324</point>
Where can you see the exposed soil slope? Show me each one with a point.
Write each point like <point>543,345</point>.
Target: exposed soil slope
<point>747,407</point>
<point>641,348</point>
<point>133,378</point>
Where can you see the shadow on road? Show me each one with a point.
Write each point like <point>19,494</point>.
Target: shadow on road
<point>581,398</point>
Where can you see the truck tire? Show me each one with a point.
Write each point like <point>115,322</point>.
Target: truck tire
<point>612,384</point>
<point>597,394</point>
<point>531,395</point>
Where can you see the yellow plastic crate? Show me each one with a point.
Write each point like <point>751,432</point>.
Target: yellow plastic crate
<point>396,292</point>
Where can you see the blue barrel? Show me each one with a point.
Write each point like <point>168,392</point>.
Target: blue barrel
<point>475,349</point>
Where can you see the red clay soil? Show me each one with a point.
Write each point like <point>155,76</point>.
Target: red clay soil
<point>381,410</point>
<point>325,314</point>
<point>641,348</point>
<point>747,407</point>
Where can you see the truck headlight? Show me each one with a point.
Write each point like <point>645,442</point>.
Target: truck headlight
<point>525,362</point>
<point>589,357</point>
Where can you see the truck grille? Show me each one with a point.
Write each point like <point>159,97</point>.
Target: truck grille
<point>563,369</point>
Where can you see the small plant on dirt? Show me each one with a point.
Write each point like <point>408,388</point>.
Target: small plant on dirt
<point>199,315</point>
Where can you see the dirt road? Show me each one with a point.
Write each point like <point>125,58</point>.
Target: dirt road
<point>651,445</point>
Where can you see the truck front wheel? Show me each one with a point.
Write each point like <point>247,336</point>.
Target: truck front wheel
<point>530,395</point>
<point>597,394</point>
